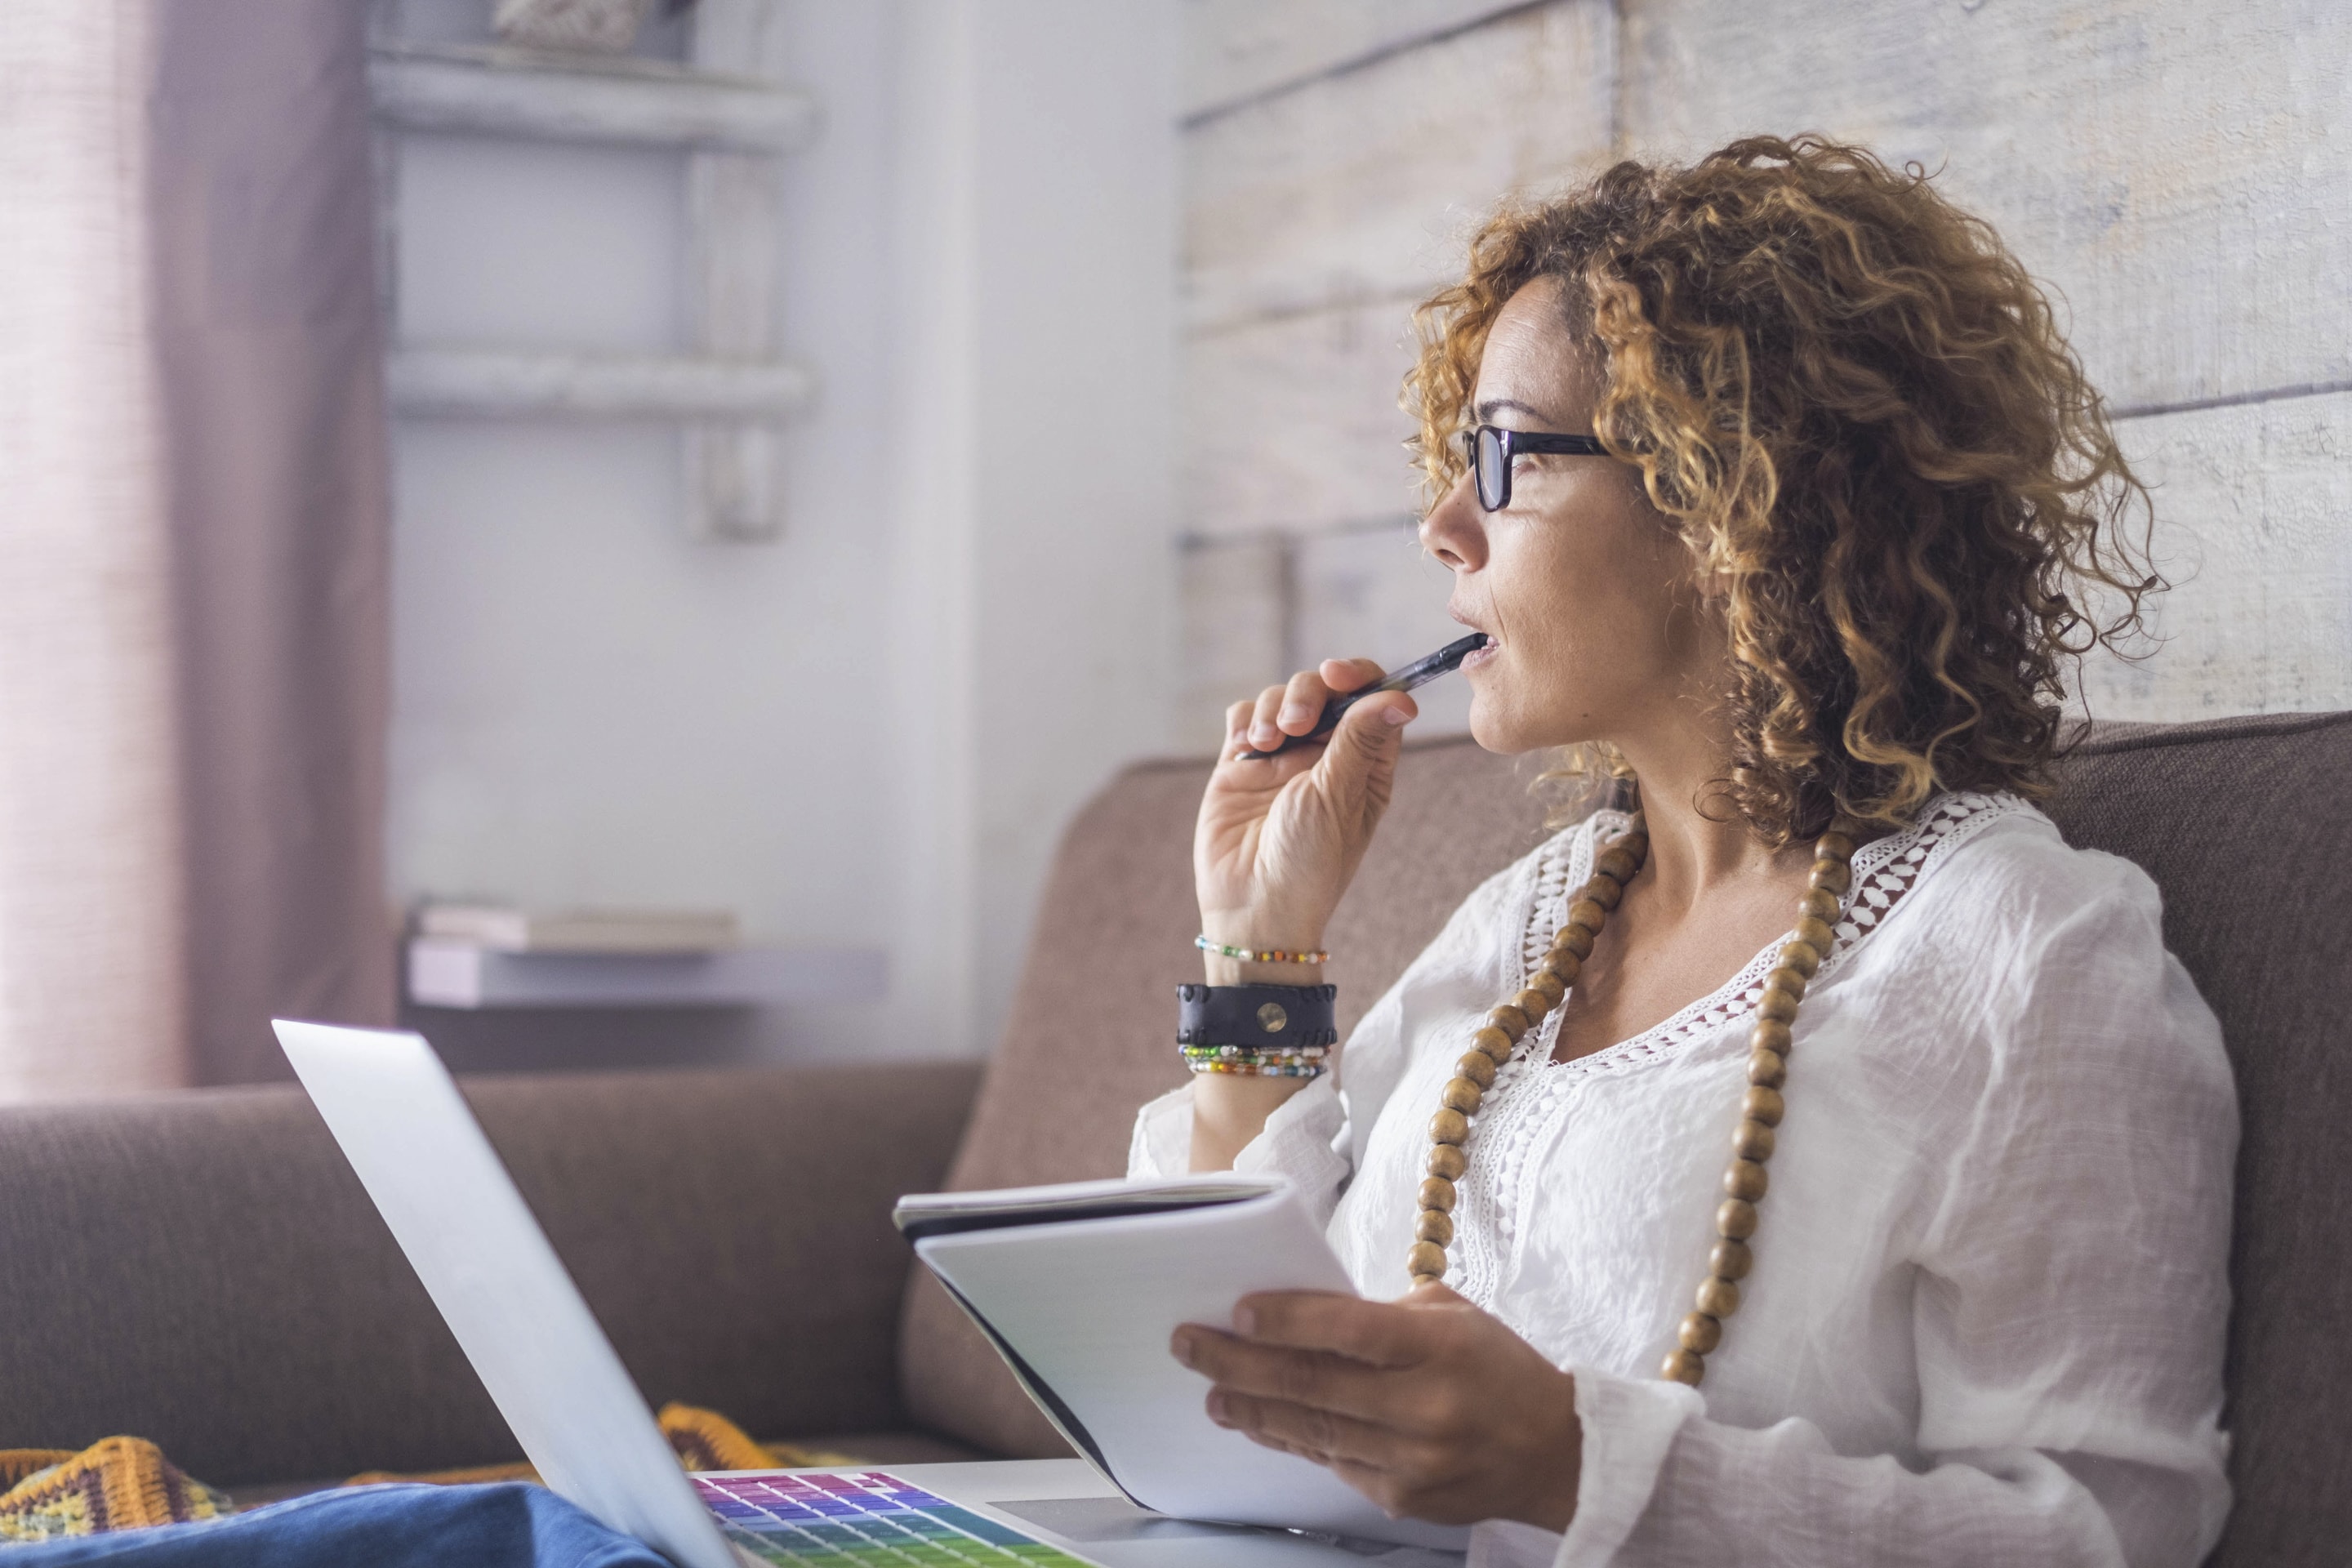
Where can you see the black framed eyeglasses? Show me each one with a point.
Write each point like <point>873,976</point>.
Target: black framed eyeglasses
<point>1492,451</point>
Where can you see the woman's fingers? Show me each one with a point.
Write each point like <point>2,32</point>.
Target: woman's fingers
<point>1302,702</point>
<point>1295,707</point>
<point>1275,1372</point>
<point>1368,734</point>
<point>1315,1433</point>
<point>1264,734</point>
<point>1349,674</point>
<point>1379,1334</point>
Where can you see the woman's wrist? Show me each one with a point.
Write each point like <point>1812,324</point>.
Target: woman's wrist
<point>1219,970</point>
<point>1255,931</point>
<point>1228,1113</point>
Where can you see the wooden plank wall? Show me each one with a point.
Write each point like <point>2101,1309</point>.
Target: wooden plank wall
<point>2179,172</point>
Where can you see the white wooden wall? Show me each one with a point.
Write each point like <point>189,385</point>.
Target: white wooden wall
<point>2179,172</point>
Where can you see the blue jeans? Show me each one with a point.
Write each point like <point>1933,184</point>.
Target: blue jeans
<point>509,1525</point>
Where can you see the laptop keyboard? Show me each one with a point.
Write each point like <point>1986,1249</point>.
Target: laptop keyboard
<point>867,1518</point>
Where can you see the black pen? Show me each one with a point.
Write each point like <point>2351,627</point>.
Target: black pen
<point>1419,672</point>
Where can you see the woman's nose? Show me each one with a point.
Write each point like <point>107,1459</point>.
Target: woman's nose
<point>1455,529</point>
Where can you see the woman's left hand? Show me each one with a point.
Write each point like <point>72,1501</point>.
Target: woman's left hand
<point>1429,1406</point>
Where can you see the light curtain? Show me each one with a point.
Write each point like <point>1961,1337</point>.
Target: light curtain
<point>192,541</point>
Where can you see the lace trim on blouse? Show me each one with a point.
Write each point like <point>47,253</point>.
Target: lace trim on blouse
<point>1531,1091</point>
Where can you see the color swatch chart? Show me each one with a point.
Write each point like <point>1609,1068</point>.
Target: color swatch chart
<point>865,1517</point>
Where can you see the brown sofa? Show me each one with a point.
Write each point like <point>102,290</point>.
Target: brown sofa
<point>203,1270</point>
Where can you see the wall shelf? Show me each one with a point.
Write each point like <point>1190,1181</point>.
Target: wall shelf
<point>496,92</point>
<point>505,383</point>
<point>730,392</point>
<point>442,973</point>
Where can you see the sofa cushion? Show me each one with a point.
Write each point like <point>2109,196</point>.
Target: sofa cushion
<point>2242,823</point>
<point>203,1270</point>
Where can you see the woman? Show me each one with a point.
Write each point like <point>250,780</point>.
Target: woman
<point>1808,587</point>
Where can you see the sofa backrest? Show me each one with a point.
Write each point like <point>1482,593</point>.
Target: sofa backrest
<point>2247,827</point>
<point>2243,823</point>
<point>205,1271</point>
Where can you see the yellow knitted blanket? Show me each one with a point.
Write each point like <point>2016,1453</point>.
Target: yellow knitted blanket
<point>126,1483</point>
<point>122,1483</point>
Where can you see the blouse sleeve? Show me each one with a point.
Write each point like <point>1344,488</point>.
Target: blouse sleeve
<point>1316,1136</point>
<point>2069,1308</point>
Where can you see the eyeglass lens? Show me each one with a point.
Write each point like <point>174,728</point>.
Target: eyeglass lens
<point>1492,462</point>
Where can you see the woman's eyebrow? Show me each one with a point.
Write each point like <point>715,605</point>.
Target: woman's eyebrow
<point>1494,405</point>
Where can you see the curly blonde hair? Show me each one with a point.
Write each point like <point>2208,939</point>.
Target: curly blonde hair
<point>1858,411</point>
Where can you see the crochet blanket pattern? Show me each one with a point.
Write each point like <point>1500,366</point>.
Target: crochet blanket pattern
<point>122,1483</point>
<point>126,1483</point>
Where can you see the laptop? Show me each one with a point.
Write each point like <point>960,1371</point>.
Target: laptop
<point>449,1203</point>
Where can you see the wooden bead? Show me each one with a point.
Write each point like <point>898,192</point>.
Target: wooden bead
<point>1449,1126</point>
<point>1426,1257</point>
<point>1606,892</point>
<point>1717,1297</point>
<point>1446,1162</point>
<point>1730,1259</point>
<point>1767,1070</point>
<point>1831,876</point>
<point>1477,1067</point>
<point>1437,1192</point>
<point>1816,934</point>
<point>1574,940</point>
<point>1510,1020</point>
<point>1769,1036</point>
<point>1461,1094</point>
<point>1765,1105</point>
<point>1752,1141</point>
<point>1586,914</point>
<point>1436,1226</point>
<point>1833,846</point>
<point>1421,1279</point>
<point>1744,1179</point>
<point>1778,1006</point>
<point>1636,844</point>
<point>1733,1218</point>
<point>1681,1367</point>
<point>1820,903</point>
<point>1554,989</point>
<point>1795,982</point>
<point>1618,863</point>
<point>1493,1043</point>
<point>1533,1003</point>
<point>1700,1333</point>
<point>1803,957</point>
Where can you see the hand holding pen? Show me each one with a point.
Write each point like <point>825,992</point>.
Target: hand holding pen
<point>1419,673</point>
<point>1278,841</point>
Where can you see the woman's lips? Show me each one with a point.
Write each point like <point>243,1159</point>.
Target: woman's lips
<point>1483,655</point>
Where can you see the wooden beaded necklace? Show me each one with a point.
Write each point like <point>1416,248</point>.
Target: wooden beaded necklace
<point>1760,1111</point>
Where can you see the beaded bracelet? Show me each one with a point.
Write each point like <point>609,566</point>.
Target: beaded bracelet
<point>1253,1061</point>
<point>1248,955</point>
<point>1262,1069</point>
<point>1255,1053</point>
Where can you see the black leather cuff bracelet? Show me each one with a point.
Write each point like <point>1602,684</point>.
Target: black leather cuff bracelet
<point>1272,1017</point>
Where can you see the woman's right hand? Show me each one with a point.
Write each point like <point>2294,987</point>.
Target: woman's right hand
<point>1278,840</point>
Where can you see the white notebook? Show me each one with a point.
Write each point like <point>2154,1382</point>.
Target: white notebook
<point>1080,1288</point>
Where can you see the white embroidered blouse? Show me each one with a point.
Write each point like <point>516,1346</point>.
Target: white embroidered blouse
<point>1985,1320</point>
